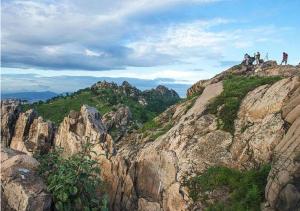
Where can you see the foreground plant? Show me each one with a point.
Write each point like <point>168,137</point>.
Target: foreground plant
<point>74,181</point>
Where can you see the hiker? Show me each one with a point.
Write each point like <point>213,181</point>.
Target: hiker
<point>246,59</point>
<point>284,58</point>
<point>257,58</point>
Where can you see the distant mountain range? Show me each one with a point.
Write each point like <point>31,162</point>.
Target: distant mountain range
<point>29,96</point>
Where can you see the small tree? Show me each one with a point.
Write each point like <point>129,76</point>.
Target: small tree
<point>74,181</point>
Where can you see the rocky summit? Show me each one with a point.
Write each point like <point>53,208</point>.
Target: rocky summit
<point>244,119</point>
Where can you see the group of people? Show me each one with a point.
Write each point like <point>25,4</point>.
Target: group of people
<point>248,60</point>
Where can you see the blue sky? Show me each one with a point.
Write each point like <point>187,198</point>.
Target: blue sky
<point>56,45</point>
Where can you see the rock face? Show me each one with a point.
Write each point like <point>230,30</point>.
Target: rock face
<point>9,114</point>
<point>118,122</point>
<point>80,127</point>
<point>21,187</point>
<point>26,131</point>
<point>32,134</point>
<point>259,126</point>
<point>148,175</point>
<point>283,188</point>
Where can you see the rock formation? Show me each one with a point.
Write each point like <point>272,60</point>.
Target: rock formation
<point>260,126</point>
<point>80,127</point>
<point>118,122</point>
<point>283,188</point>
<point>9,114</point>
<point>146,170</point>
<point>269,68</point>
<point>149,173</point>
<point>32,133</point>
<point>21,187</point>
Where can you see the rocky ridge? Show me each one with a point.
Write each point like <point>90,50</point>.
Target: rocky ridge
<point>146,171</point>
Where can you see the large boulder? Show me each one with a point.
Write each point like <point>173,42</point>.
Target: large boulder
<point>22,189</point>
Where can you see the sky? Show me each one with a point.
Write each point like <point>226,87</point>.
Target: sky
<point>65,45</point>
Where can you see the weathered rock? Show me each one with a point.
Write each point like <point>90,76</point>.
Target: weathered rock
<point>146,170</point>
<point>270,68</point>
<point>283,188</point>
<point>79,127</point>
<point>22,130</point>
<point>118,122</point>
<point>32,134</point>
<point>10,110</point>
<point>22,188</point>
<point>260,127</point>
<point>148,174</point>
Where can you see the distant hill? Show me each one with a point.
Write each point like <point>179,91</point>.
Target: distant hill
<point>29,96</point>
<point>106,97</point>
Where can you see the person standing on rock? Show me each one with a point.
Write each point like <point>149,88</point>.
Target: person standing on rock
<point>257,58</point>
<point>284,58</point>
<point>246,59</point>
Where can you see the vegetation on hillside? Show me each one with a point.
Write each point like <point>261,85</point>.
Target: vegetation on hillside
<point>246,188</point>
<point>105,100</point>
<point>227,104</point>
<point>74,182</point>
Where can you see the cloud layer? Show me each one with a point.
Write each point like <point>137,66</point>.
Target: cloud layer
<point>91,35</point>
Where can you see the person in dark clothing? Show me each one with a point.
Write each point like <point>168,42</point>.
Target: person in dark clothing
<point>246,59</point>
<point>284,58</point>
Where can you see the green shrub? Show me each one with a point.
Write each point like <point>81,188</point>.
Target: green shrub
<point>150,125</point>
<point>246,187</point>
<point>74,182</point>
<point>235,89</point>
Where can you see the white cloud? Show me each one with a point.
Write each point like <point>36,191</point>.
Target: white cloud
<point>93,53</point>
<point>194,40</point>
<point>35,32</point>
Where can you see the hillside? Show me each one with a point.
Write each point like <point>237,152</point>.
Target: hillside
<point>107,97</point>
<point>232,144</point>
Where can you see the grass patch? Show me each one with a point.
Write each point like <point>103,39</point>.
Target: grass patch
<point>246,187</point>
<point>150,125</point>
<point>162,131</point>
<point>227,104</point>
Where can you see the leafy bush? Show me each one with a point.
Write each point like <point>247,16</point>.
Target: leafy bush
<point>246,187</point>
<point>227,104</point>
<point>74,182</point>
